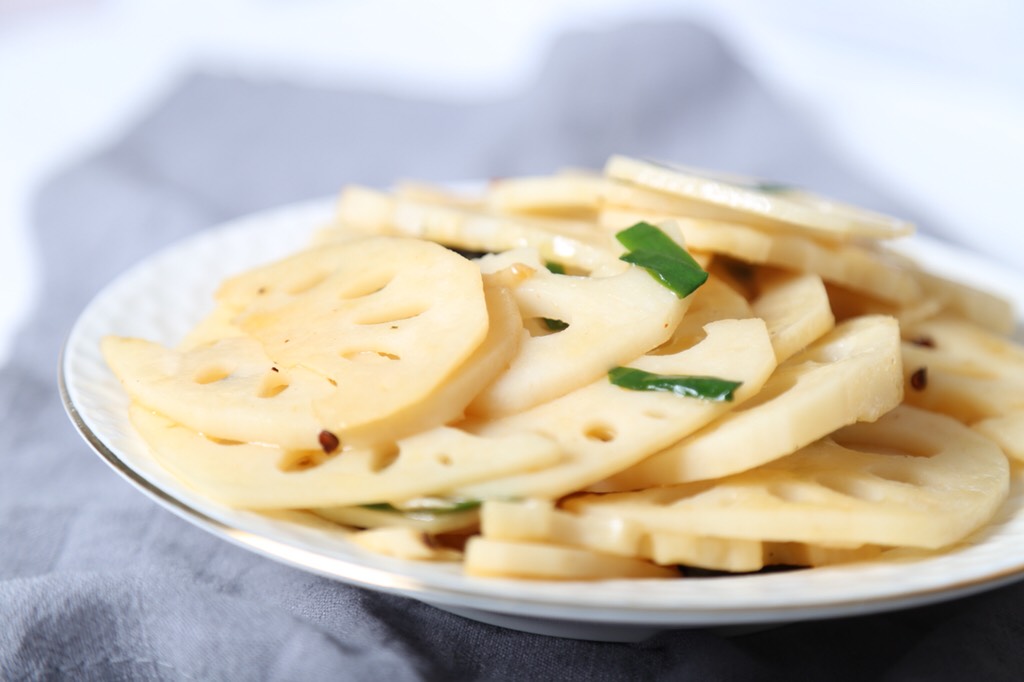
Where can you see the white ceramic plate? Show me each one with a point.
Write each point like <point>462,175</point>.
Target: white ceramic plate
<point>162,297</point>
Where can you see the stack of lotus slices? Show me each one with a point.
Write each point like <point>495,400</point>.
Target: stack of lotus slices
<point>587,376</point>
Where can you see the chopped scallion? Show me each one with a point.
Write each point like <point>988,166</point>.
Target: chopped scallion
<point>669,263</point>
<point>706,388</point>
<point>556,268</point>
<point>434,505</point>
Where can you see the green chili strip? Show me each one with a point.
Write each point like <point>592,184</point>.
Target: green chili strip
<point>669,263</point>
<point>706,388</point>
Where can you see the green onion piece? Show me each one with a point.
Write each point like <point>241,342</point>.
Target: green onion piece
<point>669,263</point>
<point>706,388</point>
<point>433,505</point>
<point>380,506</point>
<point>555,325</point>
<point>556,268</point>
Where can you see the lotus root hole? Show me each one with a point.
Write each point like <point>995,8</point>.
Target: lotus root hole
<point>893,446</point>
<point>211,373</point>
<point>272,385</point>
<point>600,432</point>
<point>369,356</point>
<point>394,313</point>
<point>301,460</point>
<point>897,475</point>
<point>222,441</point>
<point>791,491</point>
<point>856,488</point>
<point>356,288</point>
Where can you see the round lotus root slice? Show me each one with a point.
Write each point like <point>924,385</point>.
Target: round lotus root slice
<point>703,194</point>
<point>384,320</point>
<point>955,367</point>
<point>851,374</point>
<point>588,325</point>
<point>913,478</point>
<point>257,476</point>
<point>352,344</point>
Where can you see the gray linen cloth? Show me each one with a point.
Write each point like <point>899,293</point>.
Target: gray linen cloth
<point>99,583</point>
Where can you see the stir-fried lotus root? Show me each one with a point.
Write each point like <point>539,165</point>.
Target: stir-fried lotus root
<point>597,375</point>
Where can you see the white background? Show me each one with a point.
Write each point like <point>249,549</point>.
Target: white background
<point>926,96</point>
